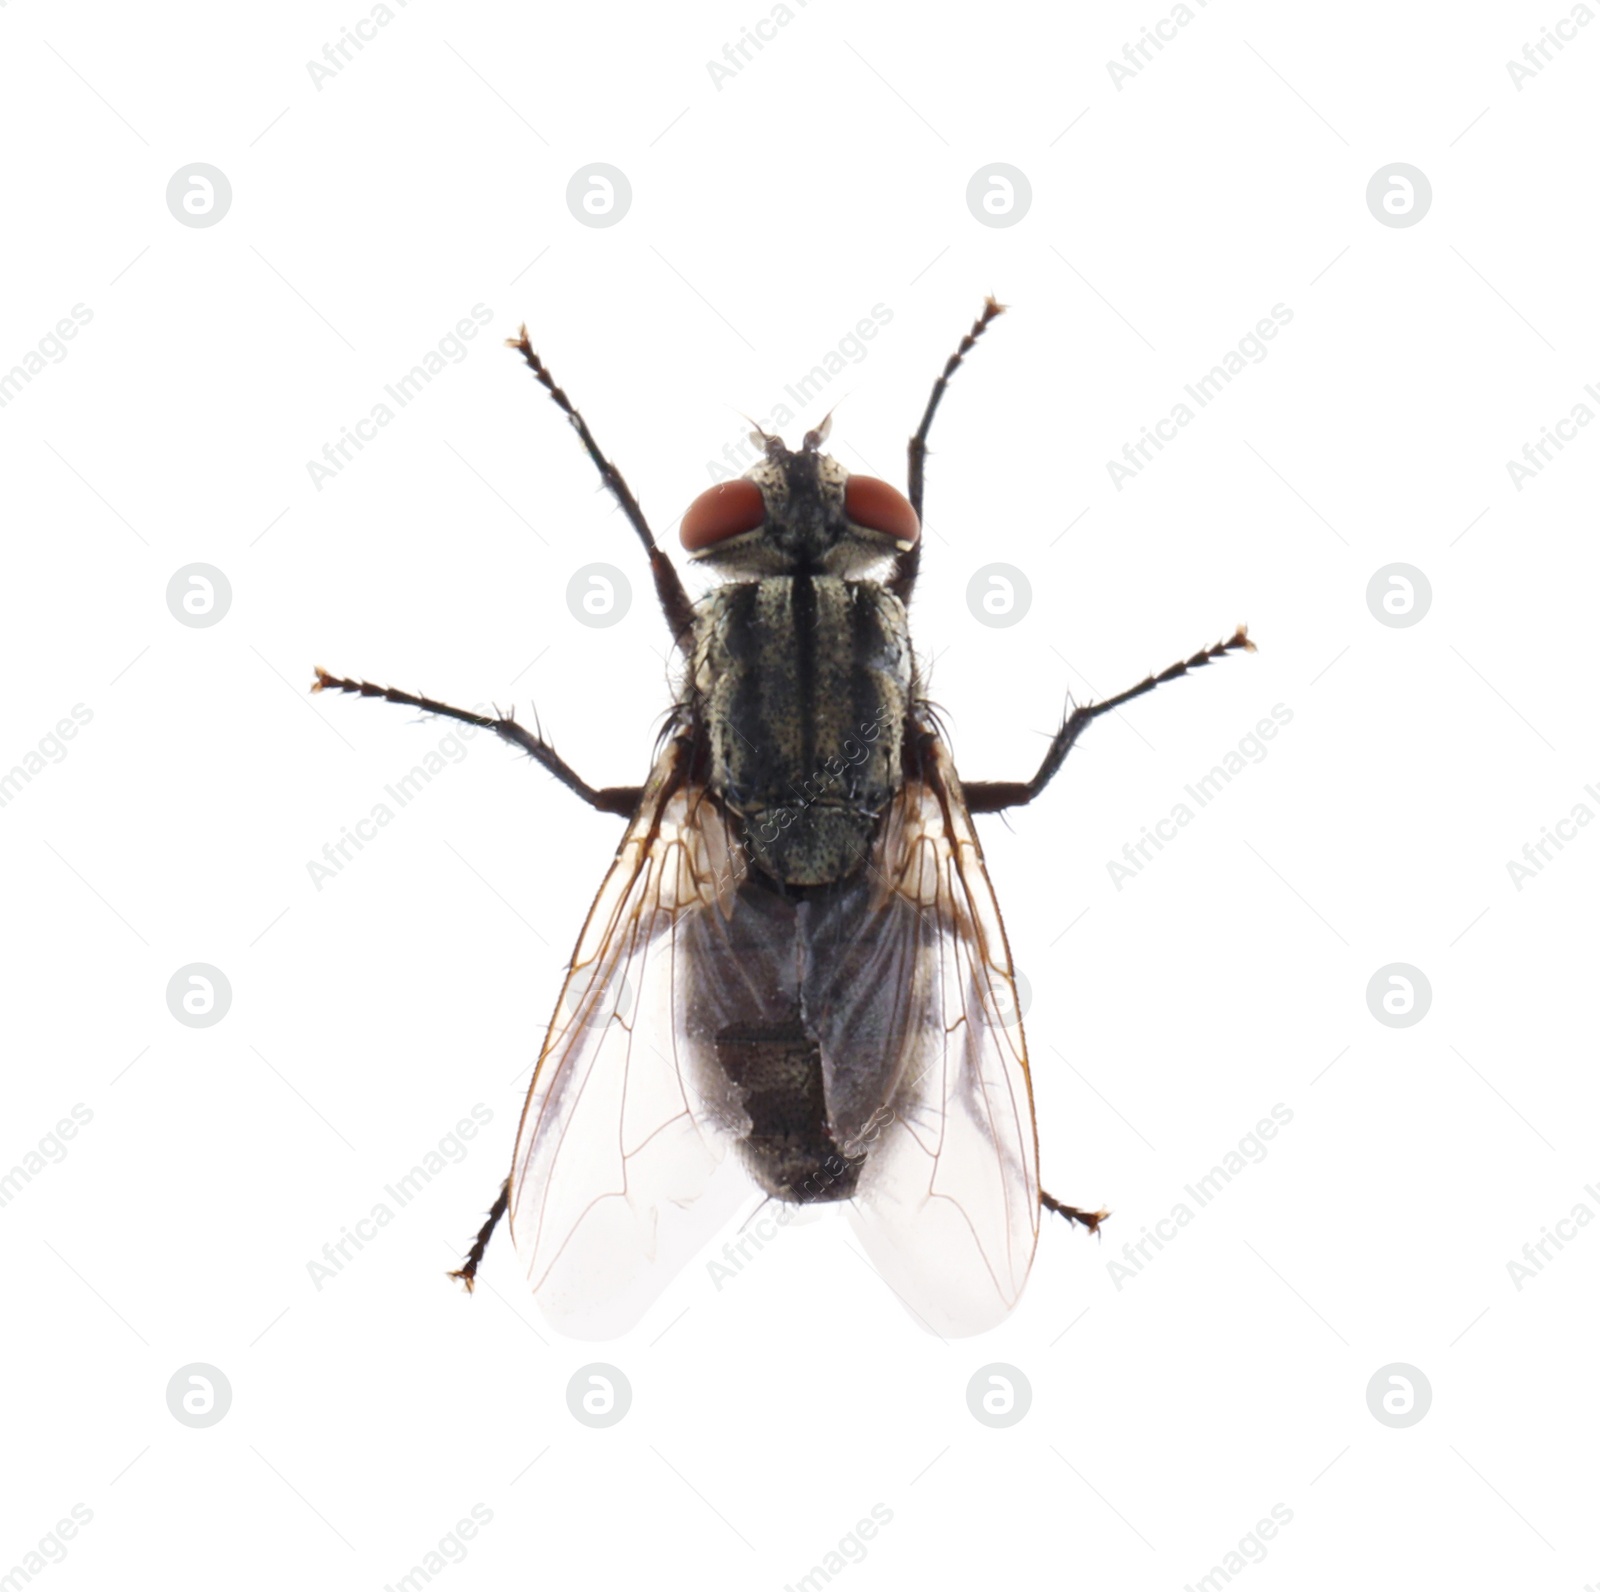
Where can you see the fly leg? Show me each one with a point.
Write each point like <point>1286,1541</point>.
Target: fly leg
<point>993,796</point>
<point>620,799</point>
<point>675,603</point>
<point>468,1270</point>
<point>1090,1219</point>
<point>905,569</point>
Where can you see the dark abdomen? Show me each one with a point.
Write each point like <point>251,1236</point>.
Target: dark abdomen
<point>785,1053</point>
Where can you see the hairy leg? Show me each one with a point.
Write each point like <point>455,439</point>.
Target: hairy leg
<point>467,1272</point>
<point>675,603</point>
<point>1089,1219</point>
<point>993,796</point>
<point>622,799</point>
<point>906,565</point>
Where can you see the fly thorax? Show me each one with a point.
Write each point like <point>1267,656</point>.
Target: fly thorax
<point>802,684</point>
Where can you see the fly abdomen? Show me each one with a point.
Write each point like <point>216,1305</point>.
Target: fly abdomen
<point>789,1149</point>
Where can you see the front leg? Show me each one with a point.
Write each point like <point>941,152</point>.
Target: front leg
<point>675,601</point>
<point>906,565</point>
<point>994,796</point>
<point>620,799</point>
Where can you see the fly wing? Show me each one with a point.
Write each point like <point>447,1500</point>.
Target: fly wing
<point>947,1204</point>
<point>620,1172</point>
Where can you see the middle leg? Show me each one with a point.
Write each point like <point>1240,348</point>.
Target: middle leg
<point>994,796</point>
<point>621,799</point>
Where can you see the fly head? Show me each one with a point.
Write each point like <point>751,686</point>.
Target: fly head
<point>798,512</point>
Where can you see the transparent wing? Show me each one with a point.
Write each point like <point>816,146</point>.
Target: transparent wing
<point>620,1172</point>
<point>948,1201</point>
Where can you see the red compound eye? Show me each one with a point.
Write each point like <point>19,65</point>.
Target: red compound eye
<point>877,506</point>
<point>728,509</point>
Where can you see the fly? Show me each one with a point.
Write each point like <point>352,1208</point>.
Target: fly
<point>794,977</point>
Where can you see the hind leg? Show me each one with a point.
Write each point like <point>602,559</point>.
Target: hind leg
<point>468,1270</point>
<point>1090,1219</point>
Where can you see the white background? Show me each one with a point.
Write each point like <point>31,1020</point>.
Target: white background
<point>769,215</point>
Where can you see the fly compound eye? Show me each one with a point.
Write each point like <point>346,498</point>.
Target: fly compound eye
<point>728,509</point>
<point>876,506</point>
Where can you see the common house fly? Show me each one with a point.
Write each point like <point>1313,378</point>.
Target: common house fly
<point>795,976</point>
